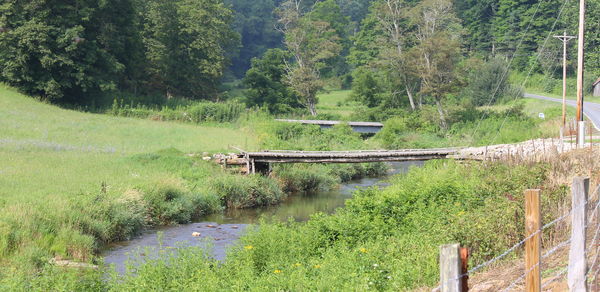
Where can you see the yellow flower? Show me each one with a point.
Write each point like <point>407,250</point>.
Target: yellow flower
<point>297,264</point>
<point>363,250</point>
<point>317,266</point>
<point>248,247</point>
<point>277,271</point>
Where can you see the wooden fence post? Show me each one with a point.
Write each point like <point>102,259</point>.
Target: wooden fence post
<point>577,255</point>
<point>464,260</point>
<point>450,268</point>
<point>534,242</point>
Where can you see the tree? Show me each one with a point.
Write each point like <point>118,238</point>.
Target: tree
<point>437,51</point>
<point>67,52</point>
<point>329,12</point>
<point>266,83</point>
<point>477,16</point>
<point>366,88</point>
<point>392,16</point>
<point>186,41</point>
<point>519,26</point>
<point>311,43</point>
<point>487,83</point>
<point>255,22</point>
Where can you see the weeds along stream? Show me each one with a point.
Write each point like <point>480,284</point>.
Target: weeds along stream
<point>221,230</point>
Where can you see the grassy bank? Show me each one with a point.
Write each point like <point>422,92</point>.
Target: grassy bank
<point>384,240</point>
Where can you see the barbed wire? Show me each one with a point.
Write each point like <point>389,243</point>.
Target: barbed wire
<point>590,247</point>
<point>546,254</point>
<point>556,276</point>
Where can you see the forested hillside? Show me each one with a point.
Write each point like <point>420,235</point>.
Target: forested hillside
<point>90,52</point>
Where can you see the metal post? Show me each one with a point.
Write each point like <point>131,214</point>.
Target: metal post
<point>581,134</point>
<point>580,59</point>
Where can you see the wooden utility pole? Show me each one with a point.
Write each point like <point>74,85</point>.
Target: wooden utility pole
<point>565,39</point>
<point>580,58</point>
<point>533,245</point>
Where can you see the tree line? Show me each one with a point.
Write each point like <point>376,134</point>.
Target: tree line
<point>75,51</point>
<point>393,53</point>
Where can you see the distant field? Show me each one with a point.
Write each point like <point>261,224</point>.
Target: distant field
<point>336,103</point>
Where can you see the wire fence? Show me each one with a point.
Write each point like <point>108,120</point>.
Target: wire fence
<point>594,245</point>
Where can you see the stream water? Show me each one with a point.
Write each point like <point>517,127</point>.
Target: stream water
<point>223,229</point>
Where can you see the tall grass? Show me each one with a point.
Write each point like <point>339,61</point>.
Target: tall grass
<point>192,112</point>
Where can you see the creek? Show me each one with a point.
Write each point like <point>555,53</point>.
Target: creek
<point>221,230</point>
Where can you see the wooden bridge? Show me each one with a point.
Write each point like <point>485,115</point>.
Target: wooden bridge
<point>261,161</point>
<point>253,162</point>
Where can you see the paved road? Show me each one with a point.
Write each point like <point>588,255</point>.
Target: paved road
<point>590,109</point>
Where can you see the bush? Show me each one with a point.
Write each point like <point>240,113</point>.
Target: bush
<point>245,192</point>
<point>191,112</point>
<point>489,84</point>
<point>305,178</point>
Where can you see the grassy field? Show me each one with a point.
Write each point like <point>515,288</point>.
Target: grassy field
<point>336,103</point>
<point>48,151</point>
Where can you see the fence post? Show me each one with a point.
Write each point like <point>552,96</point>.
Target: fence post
<point>464,260</point>
<point>450,268</point>
<point>534,242</point>
<point>577,256</point>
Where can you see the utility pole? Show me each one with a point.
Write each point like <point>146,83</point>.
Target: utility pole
<point>565,39</point>
<point>580,58</point>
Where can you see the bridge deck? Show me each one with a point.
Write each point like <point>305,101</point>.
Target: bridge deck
<point>348,156</point>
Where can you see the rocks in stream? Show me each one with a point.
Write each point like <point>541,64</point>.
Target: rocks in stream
<point>71,264</point>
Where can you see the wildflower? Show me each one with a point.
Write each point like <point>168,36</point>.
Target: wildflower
<point>363,250</point>
<point>248,247</point>
<point>277,271</point>
<point>317,266</point>
<point>297,265</point>
<point>375,265</point>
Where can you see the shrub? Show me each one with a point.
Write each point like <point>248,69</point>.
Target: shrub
<point>168,203</point>
<point>192,112</point>
<point>306,178</point>
<point>245,192</point>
